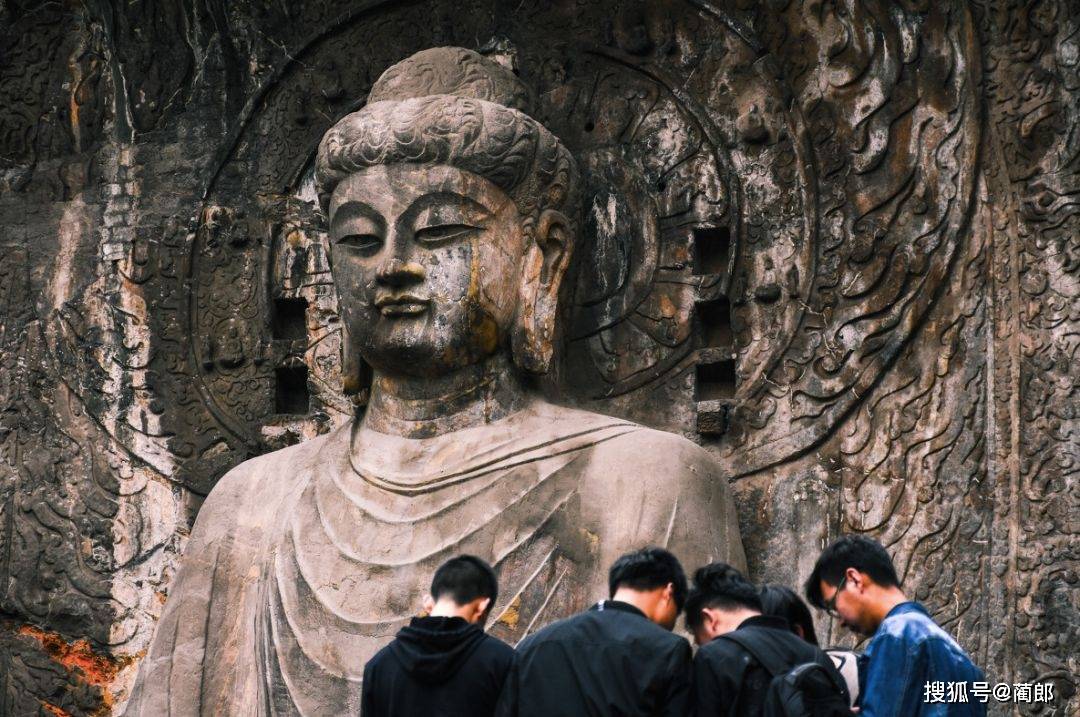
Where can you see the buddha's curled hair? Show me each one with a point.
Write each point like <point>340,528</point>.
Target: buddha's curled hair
<point>482,135</point>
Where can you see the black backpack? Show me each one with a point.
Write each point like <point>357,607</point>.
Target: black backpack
<point>811,689</point>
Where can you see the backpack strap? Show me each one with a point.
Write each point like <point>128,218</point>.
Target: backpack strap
<point>761,650</point>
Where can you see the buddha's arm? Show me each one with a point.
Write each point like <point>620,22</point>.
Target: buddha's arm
<point>706,528</point>
<point>655,488</point>
<point>184,669</point>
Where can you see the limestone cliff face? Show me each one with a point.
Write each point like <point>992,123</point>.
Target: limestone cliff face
<point>834,245</point>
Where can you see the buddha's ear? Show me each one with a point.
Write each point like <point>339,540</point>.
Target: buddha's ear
<point>355,373</point>
<point>543,268</point>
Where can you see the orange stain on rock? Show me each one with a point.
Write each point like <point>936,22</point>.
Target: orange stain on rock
<point>96,669</point>
<point>511,614</point>
<point>54,710</point>
<point>82,662</point>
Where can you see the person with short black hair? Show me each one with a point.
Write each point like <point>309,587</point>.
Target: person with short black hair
<point>743,652</point>
<point>617,658</point>
<point>444,663</point>
<point>854,581</point>
<point>657,577</point>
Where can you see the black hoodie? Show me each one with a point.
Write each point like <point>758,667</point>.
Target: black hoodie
<point>436,667</point>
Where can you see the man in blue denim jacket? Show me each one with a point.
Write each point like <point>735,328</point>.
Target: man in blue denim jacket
<point>913,668</point>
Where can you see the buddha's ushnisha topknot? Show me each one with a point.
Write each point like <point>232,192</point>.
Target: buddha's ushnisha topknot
<point>452,71</point>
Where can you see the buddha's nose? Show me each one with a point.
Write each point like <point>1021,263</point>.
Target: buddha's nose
<point>396,272</point>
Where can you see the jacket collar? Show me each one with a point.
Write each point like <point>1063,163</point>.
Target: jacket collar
<point>906,607</point>
<point>618,606</point>
<point>777,623</point>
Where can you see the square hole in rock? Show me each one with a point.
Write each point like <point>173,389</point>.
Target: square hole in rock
<point>290,319</point>
<point>291,390</point>
<point>712,249</point>
<point>715,318</point>
<point>716,381</point>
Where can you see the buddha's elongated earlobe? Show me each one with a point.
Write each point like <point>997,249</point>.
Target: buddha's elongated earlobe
<point>355,373</point>
<point>543,266</point>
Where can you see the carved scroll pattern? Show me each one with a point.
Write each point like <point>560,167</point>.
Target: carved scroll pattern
<point>912,462</point>
<point>46,494</point>
<point>33,44</point>
<point>1032,56</point>
<point>89,527</point>
<point>888,95</point>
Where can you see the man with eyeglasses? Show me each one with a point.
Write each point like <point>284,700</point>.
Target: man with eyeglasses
<point>855,582</point>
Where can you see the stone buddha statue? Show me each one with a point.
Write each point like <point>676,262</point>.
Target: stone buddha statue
<point>452,217</point>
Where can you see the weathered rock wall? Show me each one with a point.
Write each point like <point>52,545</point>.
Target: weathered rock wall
<point>836,243</point>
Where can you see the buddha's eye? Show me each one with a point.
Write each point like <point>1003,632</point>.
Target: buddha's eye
<point>363,243</point>
<point>357,231</point>
<point>440,233</point>
<point>443,218</point>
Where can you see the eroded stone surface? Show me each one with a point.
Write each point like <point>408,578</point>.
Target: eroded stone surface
<point>833,244</point>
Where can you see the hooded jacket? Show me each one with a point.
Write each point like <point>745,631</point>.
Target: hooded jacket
<point>436,667</point>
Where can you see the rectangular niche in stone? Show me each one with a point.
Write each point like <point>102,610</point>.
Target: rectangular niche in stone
<point>716,380</point>
<point>291,394</point>
<point>290,319</point>
<point>712,250</point>
<point>715,318</point>
<point>715,371</point>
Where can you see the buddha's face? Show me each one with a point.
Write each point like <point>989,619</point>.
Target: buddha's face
<point>427,261</point>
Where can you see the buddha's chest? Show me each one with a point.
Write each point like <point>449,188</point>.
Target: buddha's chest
<point>351,567</point>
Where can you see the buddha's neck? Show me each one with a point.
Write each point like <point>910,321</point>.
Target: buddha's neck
<point>429,406</point>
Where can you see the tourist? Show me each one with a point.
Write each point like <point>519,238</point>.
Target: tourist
<point>854,581</point>
<point>617,658</point>
<point>443,664</point>
<point>746,656</point>
<point>782,601</point>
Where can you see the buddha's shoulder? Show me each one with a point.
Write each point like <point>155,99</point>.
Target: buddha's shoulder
<point>638,460</point>
<point>262,479</point>
<point>632,445</point>
<point>644,447</point>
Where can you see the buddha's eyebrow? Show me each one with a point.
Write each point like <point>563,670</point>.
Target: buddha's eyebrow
<point>445,197</point>
<point>353,208</point>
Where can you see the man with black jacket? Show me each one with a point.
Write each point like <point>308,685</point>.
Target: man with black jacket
<point>741,650</point>
<point>443,665</point>
<point>617,658</point>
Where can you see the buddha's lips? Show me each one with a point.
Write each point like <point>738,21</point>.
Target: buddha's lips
<point>404,305</point>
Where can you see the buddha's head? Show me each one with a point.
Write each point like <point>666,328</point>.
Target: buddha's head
<point>452,218</point>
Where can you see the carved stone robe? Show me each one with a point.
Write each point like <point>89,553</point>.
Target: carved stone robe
<point>304,562</point>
